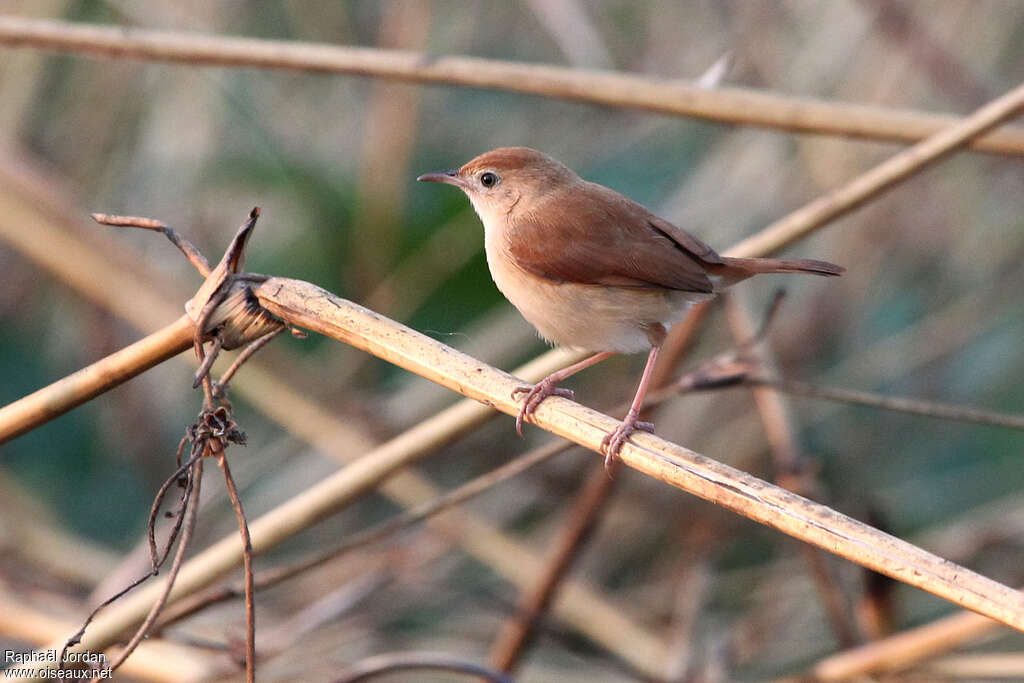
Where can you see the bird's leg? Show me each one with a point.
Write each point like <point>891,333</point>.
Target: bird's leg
<point>612,443</point>
<point>548,387</point>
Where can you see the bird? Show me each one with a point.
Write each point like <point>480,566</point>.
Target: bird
<point>592,269</point>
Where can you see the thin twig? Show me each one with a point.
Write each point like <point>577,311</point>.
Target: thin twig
<point>194,256</point>
<point>209,436</point>
<point>664,96</point>
<point>202,375</point>
<point>157,558</point>
<point>741,366</point>
<point>179,557</point>
<point>203,371</point>
<point>913,406</point>
<point>719,373</point>
<point>372,667</point>
<point>119,221</point>
<point>244,355</point>
<point>250,605</point>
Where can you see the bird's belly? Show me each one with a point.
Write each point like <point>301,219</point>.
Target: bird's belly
<point>590,317</point>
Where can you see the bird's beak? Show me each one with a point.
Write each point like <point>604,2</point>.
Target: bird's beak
<point>450,177</point>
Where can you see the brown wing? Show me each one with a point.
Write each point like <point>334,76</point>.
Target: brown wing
<point>607,238</point>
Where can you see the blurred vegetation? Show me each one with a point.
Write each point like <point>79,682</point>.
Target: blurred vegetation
<point>930,307</point>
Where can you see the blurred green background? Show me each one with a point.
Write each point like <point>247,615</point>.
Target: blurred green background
<point>930,306</point>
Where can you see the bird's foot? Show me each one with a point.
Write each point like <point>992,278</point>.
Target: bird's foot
<point>612,443</point>
<point>534,395</point>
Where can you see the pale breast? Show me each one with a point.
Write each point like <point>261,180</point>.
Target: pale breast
<point>591,317</point>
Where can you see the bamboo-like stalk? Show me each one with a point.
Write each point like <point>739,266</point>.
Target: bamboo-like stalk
<point>854,194</point>
<point>904,649</point>
<point>308,306</point>
<point>92,270</point>
<point>1006,666</point>
<point>581,606</point>
<point>515,634</point>
<point>158,660</point>
<point>54,400</point>
<point>882,177</point>
<point>858,191</point>
<point>452,498</point>
<point>674,97</point>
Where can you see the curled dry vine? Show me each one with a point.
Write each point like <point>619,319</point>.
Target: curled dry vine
<point>224,317</point>
<point>185,478</point>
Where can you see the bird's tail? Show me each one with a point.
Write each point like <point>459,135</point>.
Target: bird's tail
<point>755,266</point>
<point>732,270</point>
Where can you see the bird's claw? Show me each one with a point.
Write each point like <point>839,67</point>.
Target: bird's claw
<point>612,443</point>
<point>534,395</point>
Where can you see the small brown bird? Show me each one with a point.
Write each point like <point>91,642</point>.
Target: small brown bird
<point>590,268</point>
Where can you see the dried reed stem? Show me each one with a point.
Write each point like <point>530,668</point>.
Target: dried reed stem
<point>903,649</point>
<point>309,306</point>
<point>44,232</point>
<point>155,659</point>
<point>191,512</point>
<point>777,423</point>
<point>54,400</point>
<point>378,532</point>
<point>582,606</point>
<point>518,630</point>
<point>798,225</point>
<point>250,589</point>
<point>664,96</point>
<point>886,175</point>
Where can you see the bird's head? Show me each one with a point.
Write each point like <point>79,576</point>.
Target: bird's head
<point>506,180</point>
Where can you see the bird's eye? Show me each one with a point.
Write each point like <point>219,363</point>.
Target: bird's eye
<point>489,179</point>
